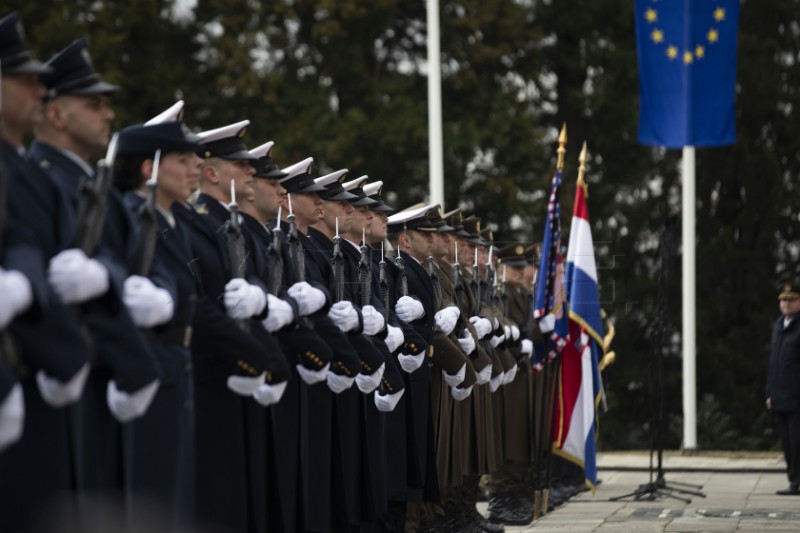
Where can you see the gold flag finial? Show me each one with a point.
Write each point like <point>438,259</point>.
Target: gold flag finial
<point>562,147</point>
<point>582,168</point>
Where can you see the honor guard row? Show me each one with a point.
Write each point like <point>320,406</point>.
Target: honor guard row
<point>197,338</point>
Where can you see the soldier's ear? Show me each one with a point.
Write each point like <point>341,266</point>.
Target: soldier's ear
<point>54,114</point>
<point>146,169</point>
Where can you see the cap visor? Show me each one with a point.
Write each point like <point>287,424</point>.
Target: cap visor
<point>363,201</point>
<point>31,66</point>
<point>338,197</point>
<point>99,87</point>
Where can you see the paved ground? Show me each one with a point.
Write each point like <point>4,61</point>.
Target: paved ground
<point>739,494</point>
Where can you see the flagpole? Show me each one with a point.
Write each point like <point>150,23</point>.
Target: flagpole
<point>435,159</point>
<point>689,304</point>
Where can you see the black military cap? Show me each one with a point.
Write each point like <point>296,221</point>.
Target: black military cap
<point>373,191</point>
<point>355,187</point>
<point>299,177</point>
<point>412,218</point>
<point>334,192</point>
<point>225,143</point>
<point>455,220</point>
<point>790,290</point>
<point>15,57</point>
<point>434,214</point>
<point>72,73</point>
<point>472,225</point>
<point>513,255</point>
<point>532,253</point>
<point>169,137</point>
<point>264,165</point>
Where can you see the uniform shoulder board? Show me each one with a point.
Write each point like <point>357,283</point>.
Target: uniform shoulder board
<point>44,163</point>
<point>201,209</point>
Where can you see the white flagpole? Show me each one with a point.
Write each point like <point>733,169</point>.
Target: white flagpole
<point>688,239</point>
<point>435,161</point>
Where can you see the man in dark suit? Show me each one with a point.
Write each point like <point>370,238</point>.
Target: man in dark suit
<point>783,382</point>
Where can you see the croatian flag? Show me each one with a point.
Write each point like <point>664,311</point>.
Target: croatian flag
<point>580,379</point>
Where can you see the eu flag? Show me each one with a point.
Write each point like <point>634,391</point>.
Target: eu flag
<point>687,71</point>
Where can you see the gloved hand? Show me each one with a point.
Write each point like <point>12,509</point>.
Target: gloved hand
<point>373,320</point>
<point>312,377</point>
<point>148,305</point>
<point>454,380</point>
<point>280,314</point>
<point>245,386</point>
<point>394,338</point>
<point>344,315</point>
<point>309,299</point>
<point>387,402</point>
<point>17,295</point>
<point>496,381</point>
<point>339,383</point>
<point>409,363</point>
<point>484,375</point>
<point>527,348</point>
<point>511,373</point>
<point>460,394</point>
<point>368,383</point>
<point>547,323</point>
<point>409,309</point>
<point>496,340</point>
<point>125,407</point>
<point>467,342</point>
<point>482,326</point>
<point>514,333</point>
<point>12,416</point>
<point>267,394</point>
<point>446,318</point>
<point>495,323</point>
<point>77,278</point>
<point>507,332</point>
<point>243,300</point>
<point>58,394</point>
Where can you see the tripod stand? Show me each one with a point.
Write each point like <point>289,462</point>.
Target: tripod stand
<point>658,486</point>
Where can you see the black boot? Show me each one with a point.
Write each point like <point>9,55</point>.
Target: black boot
<point>510,509</point>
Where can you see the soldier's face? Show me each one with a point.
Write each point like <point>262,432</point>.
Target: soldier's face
<point>84,120</point>
<point>361,221</point>
<point>307,207</point>
<point>178,176</point>
<point>442,246</point>
<point>269,194</point>
<point>420,244</point>
<point>790,308</point>
<point>513,274</point>
<point>22,97</point>
<point>238,172</point>
<point>379,222</point>
<point>527,275</point>
<point>343,210</point>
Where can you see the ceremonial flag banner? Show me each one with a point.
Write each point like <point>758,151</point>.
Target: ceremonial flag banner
<point>580,387</point>
<point>687,71</point>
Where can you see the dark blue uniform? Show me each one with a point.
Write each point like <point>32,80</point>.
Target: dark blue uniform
<point>783,389</point>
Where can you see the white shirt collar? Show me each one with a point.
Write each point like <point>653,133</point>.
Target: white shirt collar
<point>86,167</point>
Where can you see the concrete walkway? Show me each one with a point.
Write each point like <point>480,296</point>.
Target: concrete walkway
<point>739,491</point>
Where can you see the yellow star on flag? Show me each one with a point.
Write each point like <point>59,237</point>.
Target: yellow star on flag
<point>699,52</point>
<point>672,52</point>
<point>712,35</point>
<point>651,15</point>
<point>687,57</point>
<point>719,14</point>
<point>657,36</point>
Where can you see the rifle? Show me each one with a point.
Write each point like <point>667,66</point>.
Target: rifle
<point>437,287</point>
<point>504,293</point>
<point>93,203</point>
<point>364,272</point>
<point>458,284</point>
<point>338,264</point>
<point>384,283</point>
<point>148,223</point>
<point>401,265</point>
<point>296,253</point>
<point>487,285</point>
<point>236,248</point>
<point>275,259</point>
<point>475,285</point>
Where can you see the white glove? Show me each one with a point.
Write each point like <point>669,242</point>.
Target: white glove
<point>17,295</point>
<point>495,323</point>
<point>514,333</point>
<point>243,300</point>
<point>245,386</point>
<point>387,402</point>
<point>510,375</point>
<point>527,347</point>
<point>280,314</point>
<point>507,331</point>
<point>482,325</point>
<point>58,394</point>
<point>339,383</point>
<point>446,318</point>
<point>409,309</point>
<point>125,407</point>
<point>496,381</point>
<point>409,363</point>
<point>344,315</point>
<point>309,299</point>
<point>547,323</point>
<point>467,342</point>
<point>373,320</point>
<point>77,278</point>
<point>497,339</point>
<point>484,375</point>
<point>394,338</point>
<point>368,383</point>
<point>456,379</point>
<point>267,394</point>
<point>148,305</point>
<point>312,377</point>
<point>12,416</point>
<point>460,394</point>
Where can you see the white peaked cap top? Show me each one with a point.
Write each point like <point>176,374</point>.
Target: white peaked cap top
<point>231,130</point>
<point>298,168</point>
<point>410,213</point>
<point>355,184</point>
<point>373,188</point>
<point>262,150</point>
<point>172,114</point>
<point>327,179</point>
